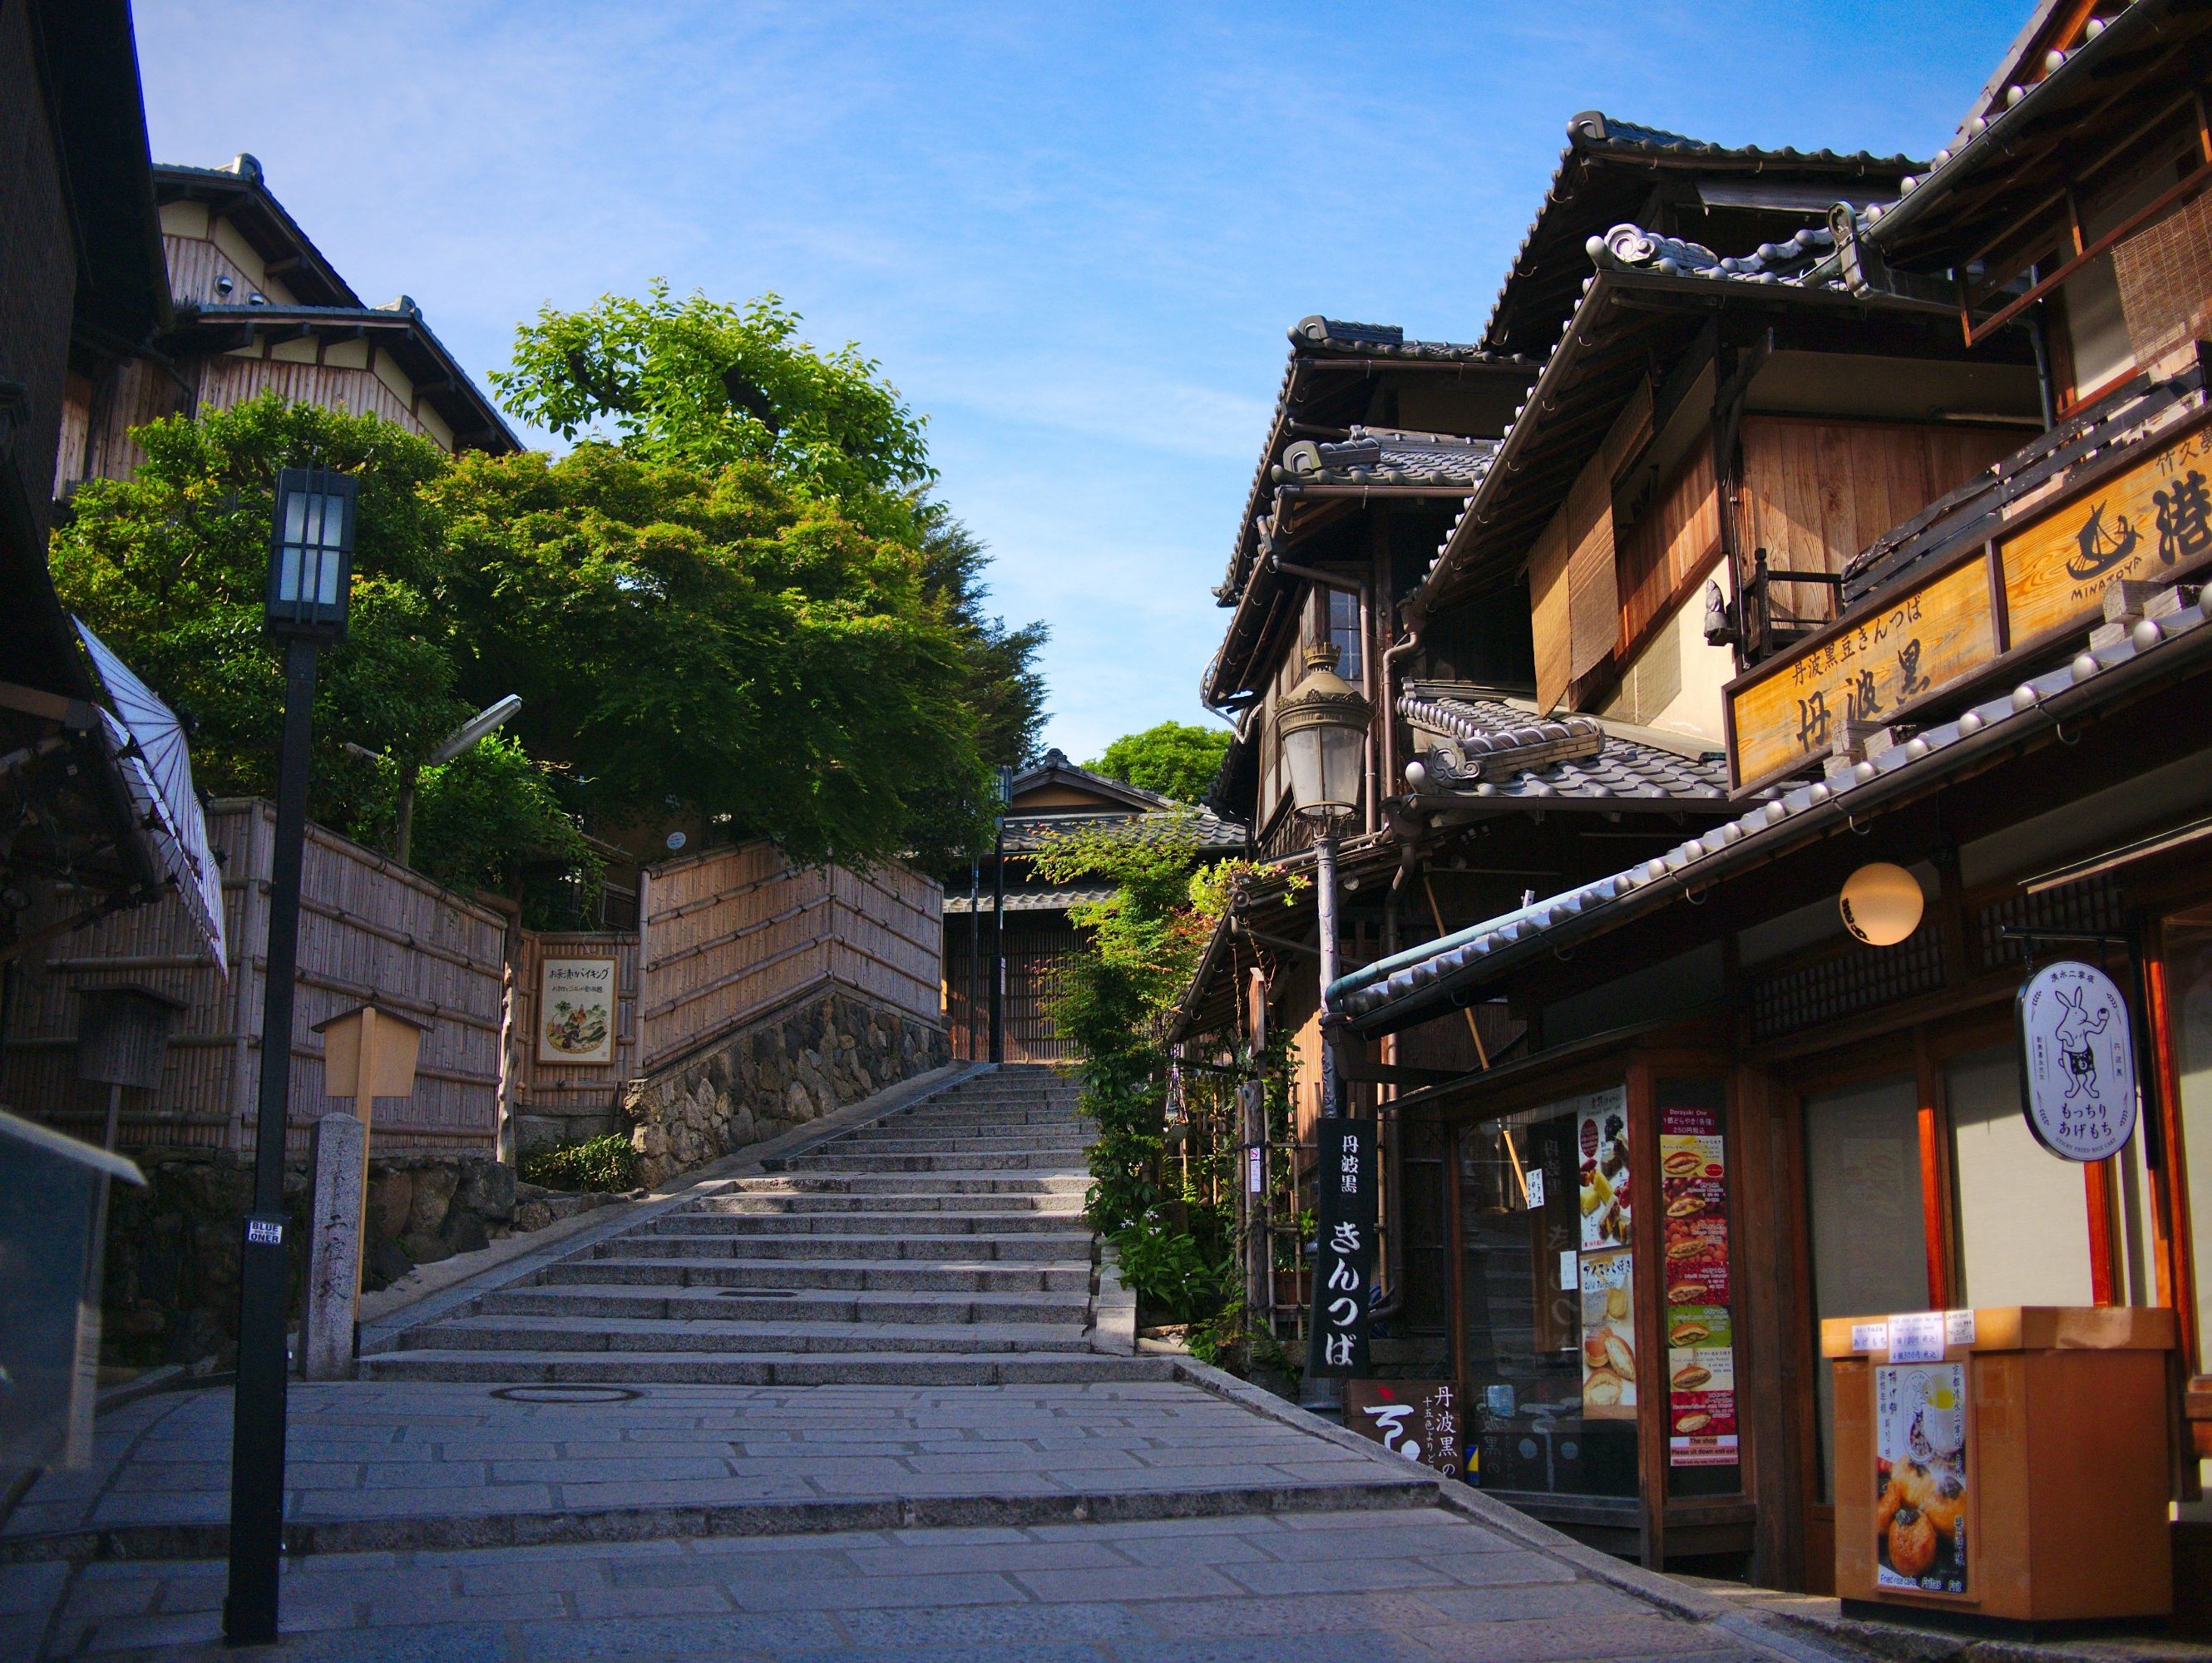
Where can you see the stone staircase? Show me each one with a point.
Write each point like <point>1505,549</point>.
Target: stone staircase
<point>942,1245</point>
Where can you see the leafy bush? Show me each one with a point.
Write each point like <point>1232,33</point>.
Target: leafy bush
<point>1170,1272</point>
<point>607,1162</point>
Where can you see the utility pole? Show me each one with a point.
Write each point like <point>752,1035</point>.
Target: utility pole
<point>998,920</point>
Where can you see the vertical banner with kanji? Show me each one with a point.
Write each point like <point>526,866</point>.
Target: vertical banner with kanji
<point>1344,1266</point>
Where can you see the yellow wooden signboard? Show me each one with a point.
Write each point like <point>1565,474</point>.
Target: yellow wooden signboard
<point>1923,638</point>
<point>2138,525</point>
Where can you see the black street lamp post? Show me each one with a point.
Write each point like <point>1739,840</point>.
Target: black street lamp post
<point>1321,728</point>
<point>999,919</point>
<point>310,573</point>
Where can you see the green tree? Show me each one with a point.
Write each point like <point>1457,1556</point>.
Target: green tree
<point>703,384</point>
<point>716,640</point>
<point>169,567</point>
<point>1178,760</point>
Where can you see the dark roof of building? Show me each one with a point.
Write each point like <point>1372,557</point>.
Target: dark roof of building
<point>438,377</point>
<point>1514,754</point>
<point>1606,174</point>
<point>1386,456</point>
<point>240,193</point>
<point>1027,834</point>
<point>1053,769</point>
<point>1411,986</point>
<point>1028,901</point>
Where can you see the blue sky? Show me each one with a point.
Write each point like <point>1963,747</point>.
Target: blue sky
<point>1074,235</point>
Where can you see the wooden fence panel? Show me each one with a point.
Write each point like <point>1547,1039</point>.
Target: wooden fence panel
<point>369,929</point>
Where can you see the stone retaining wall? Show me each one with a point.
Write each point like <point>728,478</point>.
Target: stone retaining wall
<point>791,1066</point>
<point>171,1287</point>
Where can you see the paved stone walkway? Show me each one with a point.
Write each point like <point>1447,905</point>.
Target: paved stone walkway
<point>458,1464</point>
<point>1367,1586</point>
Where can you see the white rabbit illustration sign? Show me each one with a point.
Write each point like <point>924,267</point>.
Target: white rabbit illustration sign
<point>2077,1061</point>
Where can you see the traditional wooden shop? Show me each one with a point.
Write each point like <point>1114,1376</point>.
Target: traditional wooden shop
<point>1735,1120</point>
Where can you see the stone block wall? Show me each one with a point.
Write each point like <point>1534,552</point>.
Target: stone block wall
<point>171,1290</point>
<point>794,1065</point>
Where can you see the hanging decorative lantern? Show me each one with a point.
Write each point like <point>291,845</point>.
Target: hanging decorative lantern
<point>1881,903</point>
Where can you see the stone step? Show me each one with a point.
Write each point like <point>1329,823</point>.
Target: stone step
<point>945,1223</point>
<point>742,1336</point>
<point>954,1144</point>
<point>1067,1203</point>
<point>613,1301</point>
<point>668,1368</point>
<point>1040,1246</point>
<point>911,1183</point>
<point>872,1275</point>
<point>1040,1160</point>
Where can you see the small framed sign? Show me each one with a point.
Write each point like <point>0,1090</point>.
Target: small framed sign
<point>576,1012</point>
<point>2077,1076</point>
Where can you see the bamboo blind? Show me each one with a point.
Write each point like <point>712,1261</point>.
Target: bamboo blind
<point>370,930</point>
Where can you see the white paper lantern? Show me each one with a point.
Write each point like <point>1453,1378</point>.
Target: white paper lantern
<point>1881,904</point>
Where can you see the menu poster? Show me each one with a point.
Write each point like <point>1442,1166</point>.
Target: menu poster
<point>1920,1475</point>
<point>1601,1145</point>
<point>1701,1412</point>
<point>1608,1335</point>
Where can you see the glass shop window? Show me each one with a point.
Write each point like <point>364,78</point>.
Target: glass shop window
<point>1869,1247</point>
<point>1548,1299</point>
<point>1703,1439</point>
<point>1344,634</point>
<point>2023,1218</point>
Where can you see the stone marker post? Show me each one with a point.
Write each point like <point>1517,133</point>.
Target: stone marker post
<point>334,1246</point>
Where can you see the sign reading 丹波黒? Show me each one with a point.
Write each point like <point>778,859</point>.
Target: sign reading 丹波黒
<point>577,1010</point>
<point>1416,1419</point>
<point>2077,1078</point>
<point>2137,525</point>
<point>1920,641</point>
<point>1344,1263</point>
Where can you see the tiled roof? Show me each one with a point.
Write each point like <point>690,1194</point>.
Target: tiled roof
<point>1028,900</point>
<point>1571,758</point>
<point>1631,248</point>
<point>2172,643</point>
<point>1594,137</point>
<point>1385,455</point>
<point>1028,833</point>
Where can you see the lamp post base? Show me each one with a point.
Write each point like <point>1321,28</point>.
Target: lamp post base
<point>257,1435</point>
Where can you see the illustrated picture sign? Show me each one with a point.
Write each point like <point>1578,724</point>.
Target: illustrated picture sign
<point>1416,1419</point>
<point>1605,1274</point>
<point>2077,1061</point>
<point>577,1010</point>
<point>1344,1266</point>
<point>1920,1477</point>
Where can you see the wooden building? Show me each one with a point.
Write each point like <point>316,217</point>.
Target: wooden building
<point>1908,512</point>
<point>80,272</point>
<point>257,308</point>
<point>1049,799</point>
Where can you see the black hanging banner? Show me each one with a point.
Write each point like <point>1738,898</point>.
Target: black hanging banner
<point>1344,1269</point>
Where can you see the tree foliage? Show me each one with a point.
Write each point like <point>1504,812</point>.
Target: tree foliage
<point>1178,760</point>
<point>714,641</point>
<point>705,385</point>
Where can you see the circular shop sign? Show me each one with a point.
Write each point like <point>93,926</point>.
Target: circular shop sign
<point>2077,1061</point>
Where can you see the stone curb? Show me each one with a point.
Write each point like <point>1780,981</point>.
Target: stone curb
<point>447,1530</point>
<point>603,1223</point>
<point>1825,1634</point>
<point>1113,1308</point>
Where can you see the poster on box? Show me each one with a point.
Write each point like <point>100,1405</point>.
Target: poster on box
<point>1602,1144</point>
<point>1608,1335</point>
<point>577,1010</point>
<point>1920,1477</point>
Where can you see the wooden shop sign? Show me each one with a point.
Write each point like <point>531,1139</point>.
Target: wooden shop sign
<point>2141,521</point>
